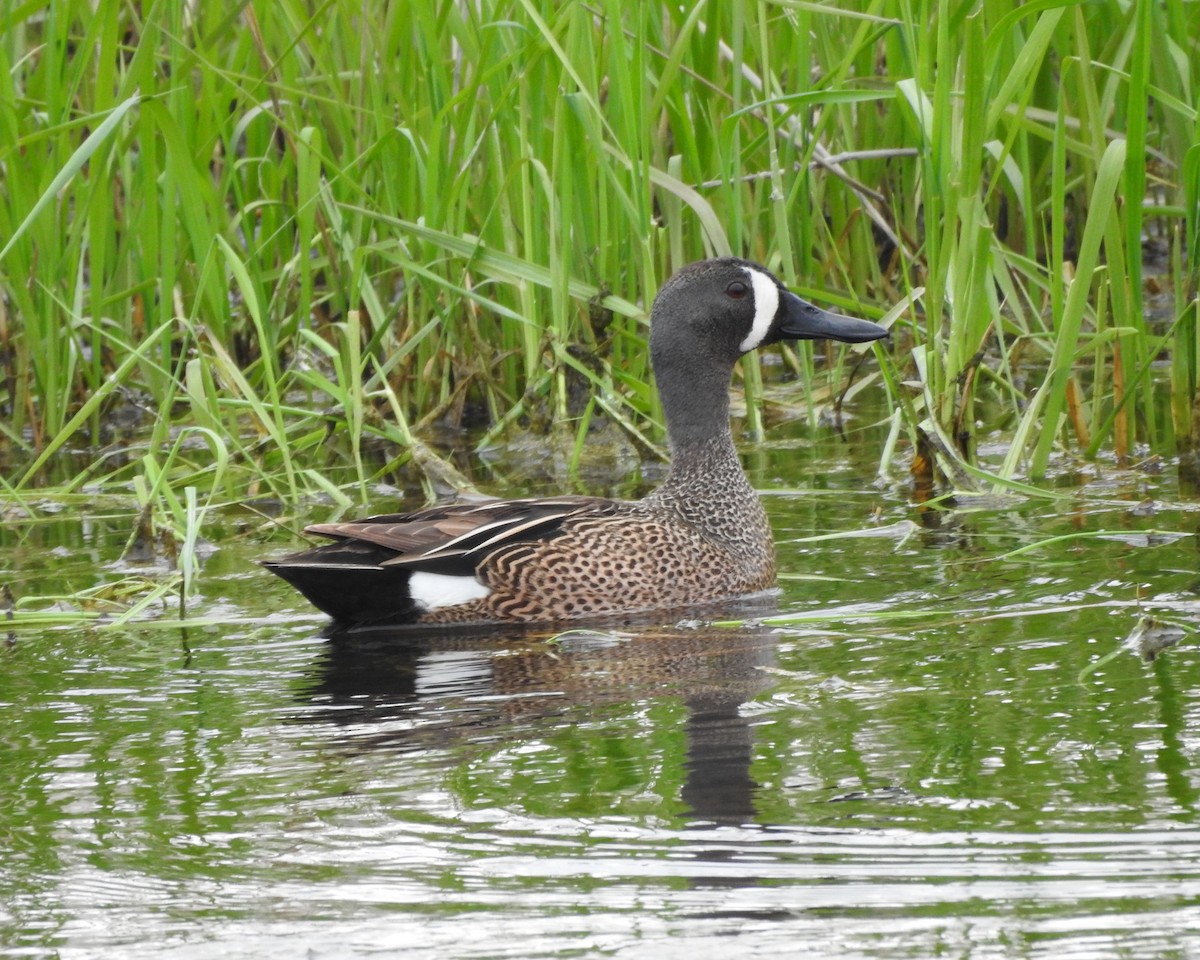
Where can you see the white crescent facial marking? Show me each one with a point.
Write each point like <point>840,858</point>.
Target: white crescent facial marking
<point>766,305</point>
<point>433,590</point>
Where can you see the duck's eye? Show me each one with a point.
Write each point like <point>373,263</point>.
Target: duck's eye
<point>737,290</point>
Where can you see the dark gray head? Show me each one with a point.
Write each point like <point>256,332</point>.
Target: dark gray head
<point>727,307</point>
<point>712,312</point>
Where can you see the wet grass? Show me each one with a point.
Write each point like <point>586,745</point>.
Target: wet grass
<point>270,250</point>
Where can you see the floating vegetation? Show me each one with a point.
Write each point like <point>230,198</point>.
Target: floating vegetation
<point>1149,637</point>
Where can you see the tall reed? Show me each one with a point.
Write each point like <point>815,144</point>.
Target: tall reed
<point>273,220</point>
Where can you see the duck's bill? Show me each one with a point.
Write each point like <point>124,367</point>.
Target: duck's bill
<point>803,321</point>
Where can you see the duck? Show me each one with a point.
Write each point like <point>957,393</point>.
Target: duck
<point>701,537</point>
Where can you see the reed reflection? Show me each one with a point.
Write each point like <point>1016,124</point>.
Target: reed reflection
<point>392,690</point>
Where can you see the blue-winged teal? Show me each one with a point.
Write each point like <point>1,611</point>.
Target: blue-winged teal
<point>702,536</point>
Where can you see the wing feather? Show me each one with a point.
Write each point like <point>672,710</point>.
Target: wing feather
<point>454,538</point>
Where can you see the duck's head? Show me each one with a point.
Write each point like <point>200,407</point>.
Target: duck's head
<point>720,309</point>
<point>711,313</point>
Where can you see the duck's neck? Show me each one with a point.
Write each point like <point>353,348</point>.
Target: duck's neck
<point>707,469</point>
<point>695,397</point>
<point>706,486</point>
<point>704,462</point>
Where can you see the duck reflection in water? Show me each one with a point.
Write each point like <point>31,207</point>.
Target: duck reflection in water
<point>436,691</point>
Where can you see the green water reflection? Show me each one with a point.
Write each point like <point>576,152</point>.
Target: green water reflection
<point>919,768</point>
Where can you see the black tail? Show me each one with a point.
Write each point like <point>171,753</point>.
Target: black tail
<point>345,580</point>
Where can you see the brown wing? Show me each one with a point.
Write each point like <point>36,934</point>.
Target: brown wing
<point>453,538</point>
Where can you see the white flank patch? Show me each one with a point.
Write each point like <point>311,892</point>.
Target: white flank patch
<point>766,305</point>
<point>433,590</point>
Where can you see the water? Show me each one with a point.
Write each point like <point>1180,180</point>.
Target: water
<point>930,762</point>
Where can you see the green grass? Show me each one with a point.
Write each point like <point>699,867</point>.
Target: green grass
<point>301,233</point>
